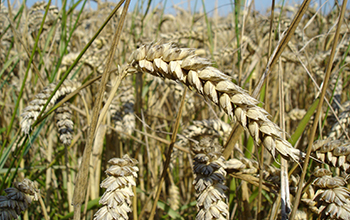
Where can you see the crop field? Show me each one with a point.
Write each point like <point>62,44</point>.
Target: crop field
<point>133,112</point>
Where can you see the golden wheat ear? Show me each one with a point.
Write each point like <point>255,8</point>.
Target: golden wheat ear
<point>335,153</point>
<point>332,199</point>
<point>209,182</point>
<point>182,65</point>
<point>340,129</point>
<point>116,200</point>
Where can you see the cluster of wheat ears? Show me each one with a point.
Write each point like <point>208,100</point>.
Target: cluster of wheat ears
<point>191,115</point>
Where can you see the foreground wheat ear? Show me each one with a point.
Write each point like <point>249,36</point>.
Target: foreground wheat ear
<point>18,199</point>
<point>209,182</point>
<point>116,200</point>
<point>331,200</point>
<point>183,65</point>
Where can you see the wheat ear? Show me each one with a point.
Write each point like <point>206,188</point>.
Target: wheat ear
<point>32,111</point>
<point>209,182</point>
<point>116,200</point>
<point>169,61</point>
<point>64,123</point>
<point>331,198</point>
<point>335,153</point>
<point>18,199</point>
<point>205,127</point>
<point>338,129</point>
<point>125,118</point>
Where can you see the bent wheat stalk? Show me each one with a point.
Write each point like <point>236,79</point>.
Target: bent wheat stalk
<point>181,64</point>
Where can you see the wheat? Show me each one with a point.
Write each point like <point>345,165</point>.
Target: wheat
<point>116,200</point>
<point>31,112</point>
<point>213,127</point>
<point>169,61</point>
<point>64,123</point>
<point>241,56</point>
<point>270,173</point>
<point>296,114</point>
<point>209,170</point>
<point>331,198</point>
<point>337,131</point>
<point>18,199</point>
<point>174,197</point>
<point>335,153</point>
<point>122,110</point>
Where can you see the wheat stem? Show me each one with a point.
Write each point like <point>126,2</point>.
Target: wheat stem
<point>81,181</point>
<point>318,113</point>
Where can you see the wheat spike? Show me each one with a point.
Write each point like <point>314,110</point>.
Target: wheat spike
<point>209,170</point>
<point>116,200</point>
<point>335,153</point>
<point>344,121</point>
<point>64,123</point>
<point>31,112</point>
<point>205,127</point>
<point>249,166</point>
<point>169,61</point>
<point>123,115</point>
<point>331,199</point>
<point>18,199</point>
<point>174,197</point>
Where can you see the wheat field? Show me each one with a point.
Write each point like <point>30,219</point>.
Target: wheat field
<point>113,112</point>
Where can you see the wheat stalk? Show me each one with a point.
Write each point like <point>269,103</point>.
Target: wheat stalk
<point>169,61</point>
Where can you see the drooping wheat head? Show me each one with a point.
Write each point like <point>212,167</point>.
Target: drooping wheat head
<point>169,61</point>
<point>332,199</point>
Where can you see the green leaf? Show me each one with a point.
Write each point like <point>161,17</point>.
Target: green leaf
<point>303,123</point>
<point>172,213</point>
